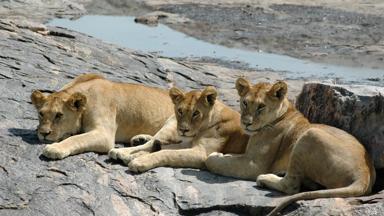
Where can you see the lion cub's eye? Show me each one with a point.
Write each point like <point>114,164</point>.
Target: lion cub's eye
<point>260,108</point>
<point>179,111</point>
<point>58,116</point>
<point>245,103</point>
<point>196,114</point>
<point>41,114</point>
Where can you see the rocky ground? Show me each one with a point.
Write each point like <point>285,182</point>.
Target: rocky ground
<point>34,57</point>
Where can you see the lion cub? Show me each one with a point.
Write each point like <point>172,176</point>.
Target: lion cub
<point>282,140</point>
<point>91,113</point>
<point>201,125</point>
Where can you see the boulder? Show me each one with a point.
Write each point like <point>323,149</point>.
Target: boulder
<point>153,18</point>
<point>357,109</point>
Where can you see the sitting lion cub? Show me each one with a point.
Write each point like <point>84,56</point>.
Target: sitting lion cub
<point>282,140</point>
<point>98,112</point>
<point>201,125</point>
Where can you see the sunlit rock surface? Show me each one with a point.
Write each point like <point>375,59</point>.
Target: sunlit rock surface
<point>33,56</point>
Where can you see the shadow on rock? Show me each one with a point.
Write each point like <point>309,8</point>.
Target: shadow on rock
<point>207,177</point>
<point>272,193</point>
<point>114,162</point>
<point>134,173</point>
<point>43,158</point>
<point>27,135</point>
<point>379,184</point>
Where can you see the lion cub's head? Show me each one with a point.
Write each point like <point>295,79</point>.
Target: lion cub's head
<point>192,109</point>
<point>59,114</point>
<point>261,104</point>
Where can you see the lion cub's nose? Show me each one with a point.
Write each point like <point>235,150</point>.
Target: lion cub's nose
<point>184,129</point>
<point>247,120</point>
<point>45,133</point>
<point>247,124</point>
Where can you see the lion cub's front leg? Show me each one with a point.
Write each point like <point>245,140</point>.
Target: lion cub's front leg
<point>128,154</point>
<point>167,132</point>
<point>56,151</point>
<point>97,140</point>
<point>192,158</point>
<point>234,165</point>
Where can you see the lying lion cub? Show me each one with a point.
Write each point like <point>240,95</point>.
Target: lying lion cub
<point>282,140</point>
<point>201,125</point>
<point>101,111</point>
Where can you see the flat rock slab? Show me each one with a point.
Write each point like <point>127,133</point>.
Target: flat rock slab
<point>37,57</point>
<point>358,109</point>
<point>90,184</point>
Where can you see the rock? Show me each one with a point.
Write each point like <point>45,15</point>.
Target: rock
<point>370,205</point>
<point>41,10</point>
<point>91,184</point>
<point>357,109</point>
<point>153,18</point>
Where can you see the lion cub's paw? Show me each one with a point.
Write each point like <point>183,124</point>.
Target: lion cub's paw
<point>126,158</point>
<point>263,180</point>
<point>113,153</point>
<point>54,152</point>
<point>140,139</point>
<point>138,166</point>
<point>215,154</point>
<point>118,153</point>
<point>214,160</point>
<point>214,157</point>
<point>123,154</point>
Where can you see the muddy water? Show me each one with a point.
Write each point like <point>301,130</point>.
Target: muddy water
<point>170,43</point>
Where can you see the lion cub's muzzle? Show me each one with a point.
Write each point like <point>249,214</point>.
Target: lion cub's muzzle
<point>246,121</point>
<point>46,135</point>
<point>44,139</point>
<point>184,131</point>
<point>43,133</point>
<point>185,134</point>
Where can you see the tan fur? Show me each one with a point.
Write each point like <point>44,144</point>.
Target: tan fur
<point>91,113</point>
<point>201,125</point>
<point>282,140</point>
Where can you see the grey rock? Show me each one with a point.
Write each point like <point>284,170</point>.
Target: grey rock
<point>41,10</point>
<point>370,205</point>
<point>358,109</point>
<point>153,18</point>
<point>33,56</point>
<point>90,184</point>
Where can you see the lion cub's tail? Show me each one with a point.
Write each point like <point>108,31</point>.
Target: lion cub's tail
<point>82,78</point>
<point>358,188</point>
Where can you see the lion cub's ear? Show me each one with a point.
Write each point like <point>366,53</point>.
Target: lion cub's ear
<point>243,86</point>
<point>38,98</point>
<point>176,95</point>
<point>278,90</point>
<point>77,101</point>
<point>209,95</point>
